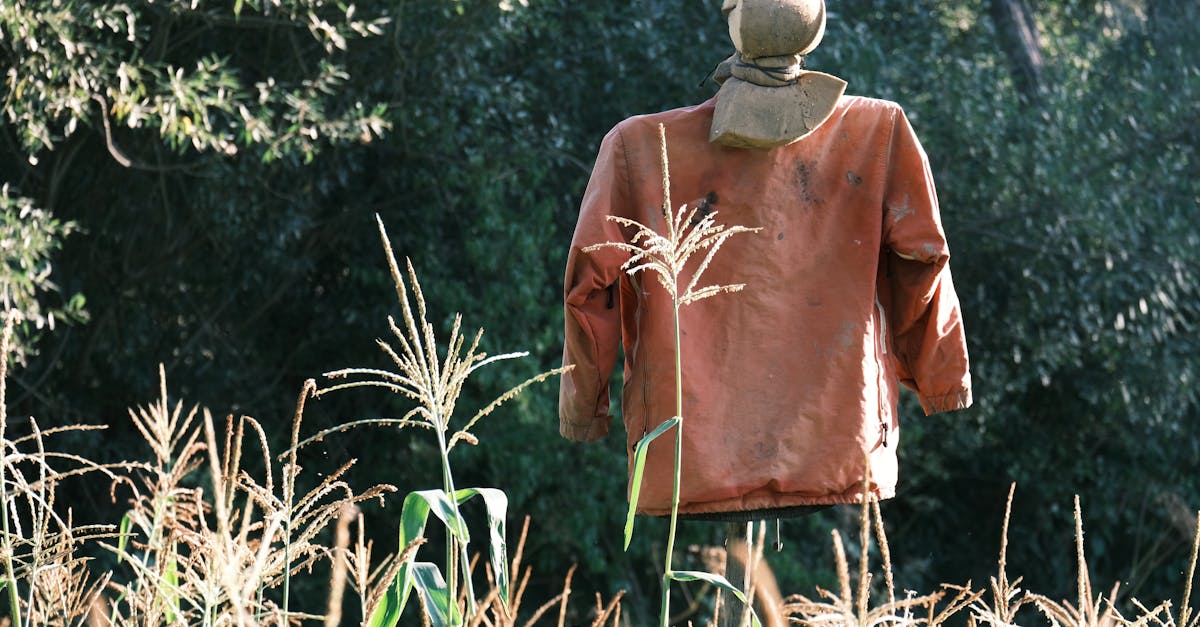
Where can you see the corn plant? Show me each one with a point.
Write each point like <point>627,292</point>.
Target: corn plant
<point>434,377</point>
<point>665,255</point>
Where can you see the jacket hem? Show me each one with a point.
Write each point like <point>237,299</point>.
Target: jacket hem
<point>775,502</point>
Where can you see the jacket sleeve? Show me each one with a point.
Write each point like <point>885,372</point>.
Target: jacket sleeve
<point>592,309</point>
<point>930,346</point>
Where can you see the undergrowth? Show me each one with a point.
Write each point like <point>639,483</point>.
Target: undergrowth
<point>206,541</point>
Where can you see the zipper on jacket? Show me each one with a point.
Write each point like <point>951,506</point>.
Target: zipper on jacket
<point>882,325</point>
<point>881,344</point>
<point>635,282</point>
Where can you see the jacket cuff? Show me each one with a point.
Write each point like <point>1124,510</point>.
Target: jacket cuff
<point>960,399</point>
<point>588,431</point>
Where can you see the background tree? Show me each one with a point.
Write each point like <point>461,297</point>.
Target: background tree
<point>223,163</point>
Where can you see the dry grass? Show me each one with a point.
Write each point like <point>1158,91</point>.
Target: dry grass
<point>1088,610</point>
<point>852,607</point>
<point>847,608</point>
<point>225,554</point>
<point>203,541</point>
<point>1162,616</point>
<point>40,547</point>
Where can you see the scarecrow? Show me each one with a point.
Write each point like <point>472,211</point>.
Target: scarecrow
<point>790,386</point>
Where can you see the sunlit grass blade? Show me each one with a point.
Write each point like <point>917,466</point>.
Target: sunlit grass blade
<point>387,613</point>
<point>415,513</point>
<point>639,467</point>
<point>171,577</point>
<point>718,582</point>
<point>496,502</point>
<point>427,578</point>
<point>442,610</point>
<point>123,536</point>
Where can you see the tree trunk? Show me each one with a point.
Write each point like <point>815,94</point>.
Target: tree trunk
<point>1019,34</point>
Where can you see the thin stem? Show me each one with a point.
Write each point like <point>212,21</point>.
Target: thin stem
<point>451,538</point>
<point>14,598</point>
<point>666,595</point>
<point>287,550</point>
<point>1186,613</point>
<point>448,488</point>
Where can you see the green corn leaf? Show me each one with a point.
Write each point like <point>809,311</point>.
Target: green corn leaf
<point>639,466</point>
<point>123,536</point>
<point>387,613</point>
<point>716,580</point>
<point>427,579</point>
<point>415,512</point>
<point>496,502</point>
<point>171,577</point>
<point>443,611</point>
<point>413,515</point>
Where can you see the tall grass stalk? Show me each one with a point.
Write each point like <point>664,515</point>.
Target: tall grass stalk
<point>666,255</point>
<point>1185,614</point>
<point>10,583</point>
<point>1006,597</point>
<point>434,378</point>
<point>41,554</point>
<point>1088,611</point>
<point>1162,615</point>
<point>219,554</point>
<point>290,470</point>
<point>852,608</point>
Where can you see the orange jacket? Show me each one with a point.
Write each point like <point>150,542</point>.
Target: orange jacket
<point>791,383</point>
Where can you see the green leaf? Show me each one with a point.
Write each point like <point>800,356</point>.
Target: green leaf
<point>639,466</point>
<point>387,613</point>
<point>415,513</point>
<point>171,577</point>
<point>123,536</point>
<point>716,580</point>
<point>427,579</point>
<point>413,516</point>
<point>496,502</point>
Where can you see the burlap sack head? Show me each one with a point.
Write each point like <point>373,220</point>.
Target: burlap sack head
<point>773,28</point>
<point>767,99</point>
